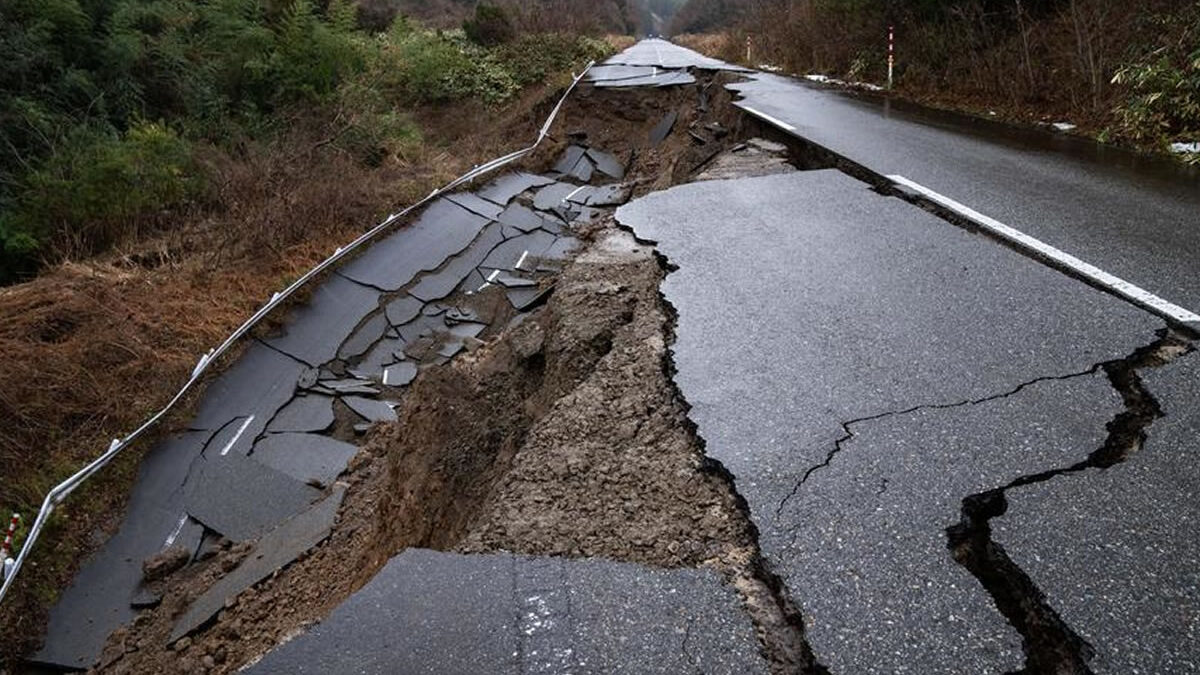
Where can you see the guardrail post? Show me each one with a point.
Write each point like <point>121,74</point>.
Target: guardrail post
<point>9,563</point>
<point>891,54</point>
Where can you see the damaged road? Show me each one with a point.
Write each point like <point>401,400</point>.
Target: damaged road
<point>760,418</point>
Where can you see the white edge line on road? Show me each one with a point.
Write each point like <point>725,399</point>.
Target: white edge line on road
<point>1116,285</point>
<point>241,430</point>
<point>174,535</point>
<point>773,120</point>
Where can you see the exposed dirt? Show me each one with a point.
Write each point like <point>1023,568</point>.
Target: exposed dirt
<point>561,435</point>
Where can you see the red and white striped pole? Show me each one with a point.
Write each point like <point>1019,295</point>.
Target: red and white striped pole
<point>8,540</point>
<point>891,53</point>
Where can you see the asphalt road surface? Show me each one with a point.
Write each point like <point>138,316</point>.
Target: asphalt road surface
<point>939,438</point>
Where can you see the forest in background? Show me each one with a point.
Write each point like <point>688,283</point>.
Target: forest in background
<point>114,113</point>
<point>1124,72</point>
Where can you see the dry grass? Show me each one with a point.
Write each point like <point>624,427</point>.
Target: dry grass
<point>92,347</point>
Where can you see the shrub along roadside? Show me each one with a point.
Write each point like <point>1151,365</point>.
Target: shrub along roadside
<point>1125,73</point>
<point>105,104</point>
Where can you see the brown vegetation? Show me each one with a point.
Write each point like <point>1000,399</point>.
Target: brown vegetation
<point>1032,60</point>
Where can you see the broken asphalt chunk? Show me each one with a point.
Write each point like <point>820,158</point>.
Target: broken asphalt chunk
<point>371,410</point>
<point>242,498</point>
<point>421,326</point>
<point>523,299</point>
<point>315,330</point>
<point>553,196</point>
<point>570,158</point>
<point>309,458</point>
<point>442,282</point>
<point>607,163</point>
<point>661,130</point>
<point>305,413</point>
<point>502,190</point>
<point>276,548</point>
<point>444,229</point>
<point>400,375</point>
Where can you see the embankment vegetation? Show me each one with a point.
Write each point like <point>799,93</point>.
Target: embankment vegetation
<point>1124,72</point>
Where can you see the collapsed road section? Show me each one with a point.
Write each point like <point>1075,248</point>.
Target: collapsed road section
<point>475,416</point>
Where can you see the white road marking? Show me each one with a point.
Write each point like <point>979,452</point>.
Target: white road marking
<point>573,193</point>
<point>174,535</point>
<point>773,120</point>
<point>241,430</point>
<point>1116,285</point>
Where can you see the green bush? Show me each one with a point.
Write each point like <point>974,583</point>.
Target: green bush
<point>491,26</point>
<point>99,187</point>
<point>531,58</point>
<point>1164,98</point>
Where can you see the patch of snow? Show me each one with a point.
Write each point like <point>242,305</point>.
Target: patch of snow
<point>769,68</point>
<point>1063,126</point>
<point>1185,148</point>
<point>817,78</point>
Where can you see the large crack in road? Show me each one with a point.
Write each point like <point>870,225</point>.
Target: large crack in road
<point>1049,642</point>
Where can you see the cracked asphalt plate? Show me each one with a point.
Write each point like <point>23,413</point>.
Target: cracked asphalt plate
<point>475,204</point>
<point>442,282</point>
<point>259,384</point>
<point>371,410</point>
<point>443,230</point>
<point>315,330</point>
<point>1117,552</point>
<point>552,196</point>
<point>365,336</point>
<point>521,217</point>
<point>664,78</point>
<point>403,309</point>
<point>309,458</point>
<point>312,412</point>
<point>504,614</point>
<point>506,187</point>
<point>618,72</point>
<point>242,498</point>
<point>275,549</point>
<point>507,255</point>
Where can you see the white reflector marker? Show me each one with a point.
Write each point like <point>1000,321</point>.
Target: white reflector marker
<point>1113,284</point>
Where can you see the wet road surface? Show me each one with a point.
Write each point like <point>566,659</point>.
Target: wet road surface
<point>957,457</point>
